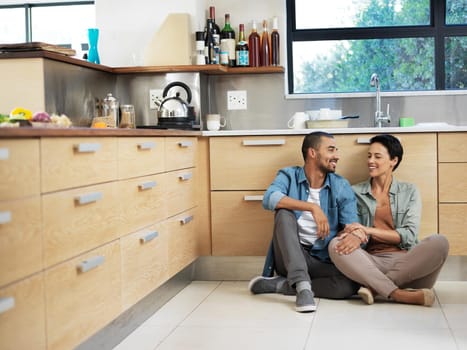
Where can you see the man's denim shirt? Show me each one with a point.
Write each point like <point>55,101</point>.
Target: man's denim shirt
<point>337,201</point>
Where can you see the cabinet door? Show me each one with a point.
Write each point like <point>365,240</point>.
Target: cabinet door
<point>452,182</point>
<point>22,315</point>
<point>452,147</point>
<point>240,225</point>
<point>20,238</point>
<point>251,163</point>
<point>418,166</point>
<point>73,162</point>
<point>19,168</point>
<point>452,223</point>
<point>144,262</point>
<point>82,296</point>
<point>180,152</point>
<point>78,220</point>
<point>139,156</point>
<point>183,240</point>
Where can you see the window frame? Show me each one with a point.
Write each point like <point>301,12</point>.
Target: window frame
<point>437,29</point>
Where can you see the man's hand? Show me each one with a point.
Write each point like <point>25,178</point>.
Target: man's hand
<point>322,224</point>
<point>348,242</point>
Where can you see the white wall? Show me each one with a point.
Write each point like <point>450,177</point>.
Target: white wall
<point>126,28</point>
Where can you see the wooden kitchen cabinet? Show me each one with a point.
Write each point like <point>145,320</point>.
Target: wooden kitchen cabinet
<point>452,148</point>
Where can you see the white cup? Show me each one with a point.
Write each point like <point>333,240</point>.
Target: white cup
<point>214,122</point>
<point>298,121</point>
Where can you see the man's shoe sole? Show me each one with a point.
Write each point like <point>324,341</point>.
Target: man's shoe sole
<point>306,308</point>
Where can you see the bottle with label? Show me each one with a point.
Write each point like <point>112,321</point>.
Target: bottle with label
<point>199,54</point>
<point>227,54</point>
<point>216,32</point>
<point>241,50</point>
<point>275,47</point>
<point>253,46</point>
<point>265,53</point>
<point>209,51</point>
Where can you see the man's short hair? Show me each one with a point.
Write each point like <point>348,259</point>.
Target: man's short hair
<point>313,140</point>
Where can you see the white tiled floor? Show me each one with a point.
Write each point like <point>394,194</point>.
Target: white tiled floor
<point>224,315</point>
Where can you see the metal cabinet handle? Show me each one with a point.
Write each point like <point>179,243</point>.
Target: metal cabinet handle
<point>363,140</point>
<point>264,142</point>
<point>87,147</point>
<point>90,264</point>
<point>6,303</point>
<point>185,143</point>
<point>185,177</point>
<point>4,153</point>
<point>149,237</point>
<point>146,145</point>
<point>147,185</point>
<point>253,198</point>
<point>88,198</point>
<point>186,220</point>
<point>5,217</point>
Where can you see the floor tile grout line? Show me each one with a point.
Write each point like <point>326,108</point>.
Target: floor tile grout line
<point>447,320</point>
<point>189,313</point>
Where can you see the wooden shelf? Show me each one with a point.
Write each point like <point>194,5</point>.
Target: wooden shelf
<point>212,69</point>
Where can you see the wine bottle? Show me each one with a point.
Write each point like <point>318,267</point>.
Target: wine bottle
<point>265,54</point>
<point>275,47</point>
<point>209,51</point>
<point>216,32</point>
<point>227,43</point>
<point>241,50</point>
<point>253,46</point>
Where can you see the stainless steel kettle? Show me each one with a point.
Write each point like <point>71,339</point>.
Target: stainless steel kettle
<point>172,104</point>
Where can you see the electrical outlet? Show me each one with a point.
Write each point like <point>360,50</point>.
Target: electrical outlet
<point>236,99</point>
<point>155,98</point>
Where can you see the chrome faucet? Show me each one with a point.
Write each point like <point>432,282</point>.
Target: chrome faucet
<point>379,115</point>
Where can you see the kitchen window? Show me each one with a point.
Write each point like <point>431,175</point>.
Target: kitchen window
<point>333,47</point>
<point>62,23</point>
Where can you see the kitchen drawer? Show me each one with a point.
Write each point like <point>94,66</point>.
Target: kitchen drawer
<point>20,238</point>
<point>240,225</point>
<point>420,157</point>
<point>251,163</point>
<point>180,152</point>
<point>181,190</point>
<point>19,168</point>
<point>82,296</point>
<point>183,240</point>
<point>452,147</point>
<point>139,156</point>
<point>143,201</point>
<point>452,182</point>
<point>78,220</point>
<point>22,315</point>
<point>452,223</point>
<point>144,262</point>
<point>73,162</point>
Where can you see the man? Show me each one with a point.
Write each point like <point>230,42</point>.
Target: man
<point>312,204</point>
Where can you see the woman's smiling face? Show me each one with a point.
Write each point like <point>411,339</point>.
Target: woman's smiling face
<point>379,161</point>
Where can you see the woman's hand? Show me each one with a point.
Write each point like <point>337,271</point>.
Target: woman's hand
<point>350,240</point>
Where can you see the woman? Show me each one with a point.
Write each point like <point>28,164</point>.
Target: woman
<point>391,263</point>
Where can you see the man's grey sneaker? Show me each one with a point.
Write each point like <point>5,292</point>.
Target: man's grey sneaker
<point>305,301</point>
<point>276,284</point>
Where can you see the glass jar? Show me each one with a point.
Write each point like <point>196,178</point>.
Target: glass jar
<point>127,116</point>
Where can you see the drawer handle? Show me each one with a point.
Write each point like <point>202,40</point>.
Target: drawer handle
<point>5,217</point>
<point>253,198</point>
<point>91,263</point>
<point>146,145</point>
<point>363,140</point>
<point>185,177</point>
<point>149,237</point>
<point>88,198</point>
<point>185,143</point>
<point>6,303</point>
<point>186,220</point>
<point>4,153</point>
<point>264,142</point>
<point>87,147</point>
<point>147,185</point>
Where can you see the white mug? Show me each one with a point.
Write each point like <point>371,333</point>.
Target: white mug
<point>298,121</point>
<point>214,122</point>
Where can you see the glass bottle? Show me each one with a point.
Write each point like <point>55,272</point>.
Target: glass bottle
<point>216,32</point>
<point>265,54</point>
<point>227,43</point>
<point>209,53</point>
<point>275,47</point>
<point>253,46</point>
<point>241,50</point>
